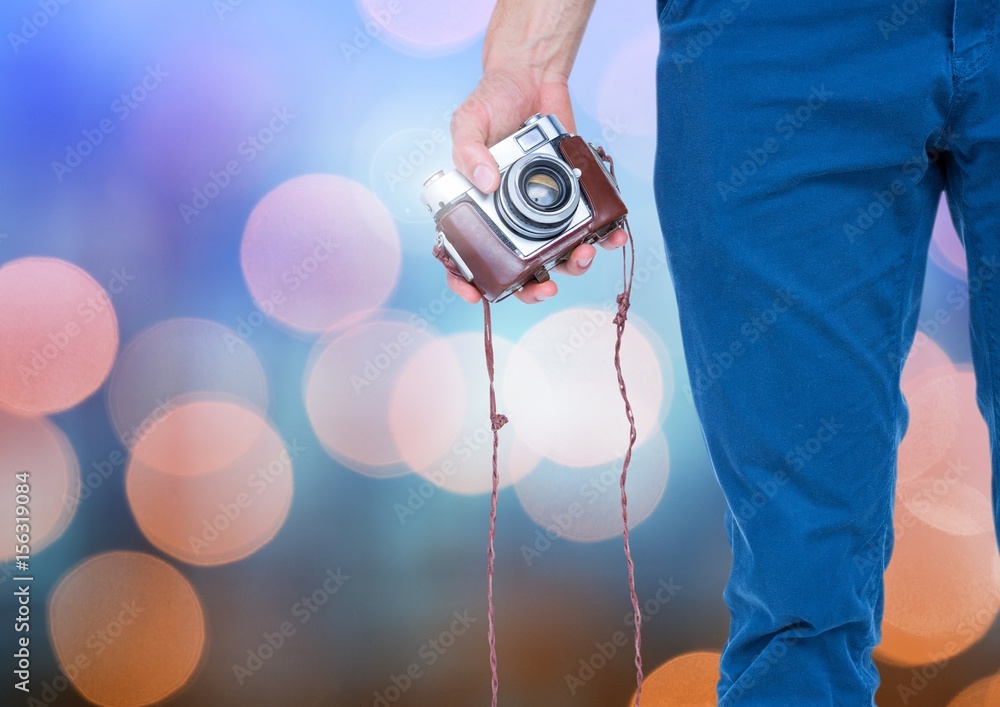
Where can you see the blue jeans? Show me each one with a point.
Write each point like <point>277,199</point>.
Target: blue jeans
<point>803,148</point>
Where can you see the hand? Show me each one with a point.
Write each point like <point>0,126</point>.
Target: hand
<point>500,103</point>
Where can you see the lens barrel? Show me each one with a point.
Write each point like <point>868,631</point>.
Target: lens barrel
<point>538,196</point>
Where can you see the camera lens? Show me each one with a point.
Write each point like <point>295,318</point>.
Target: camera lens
<point>538,196</point>
<point>543,190</point>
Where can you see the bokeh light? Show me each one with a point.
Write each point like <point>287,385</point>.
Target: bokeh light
<point>561,389</point>
<point>688,680</point>
<point>942,589</point>
<point>624,21</point>
<point>427,407</point>
<point>971,451</point>
<point>348,387</point>
<point>36,446</point>
<point>439,417</point>
<point>933,404</point>
<point>946,449</point>
<point>983,693</point>
<point>946,249</point>
<point>947,504</point>
<point>943,582</point>
<point>627,98</point>
<point>127,629</point>
<point>173,360</point>
<point>320,252</point>
<point>211,483</point>
<point>437,28</point>
<point>399,168</point>
<point>584,504</point>
<point>925,353</point>
<point>58,335</point>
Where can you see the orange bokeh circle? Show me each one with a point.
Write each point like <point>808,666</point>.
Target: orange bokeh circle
<point>127,629</point>
<point>983,693</point>
<point>211,483</point>
<point>688,680</point>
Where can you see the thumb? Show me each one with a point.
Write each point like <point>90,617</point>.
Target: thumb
<point>469,132</point>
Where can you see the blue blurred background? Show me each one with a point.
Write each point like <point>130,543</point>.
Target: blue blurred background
<point>169,96</point>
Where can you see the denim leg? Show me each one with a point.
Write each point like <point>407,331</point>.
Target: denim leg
<point>797,176</point>
<point>973,173</point>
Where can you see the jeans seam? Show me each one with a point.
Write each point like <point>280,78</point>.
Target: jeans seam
<point>980,62</point>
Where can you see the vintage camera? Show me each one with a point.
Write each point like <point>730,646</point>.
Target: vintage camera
<point>555,193</point>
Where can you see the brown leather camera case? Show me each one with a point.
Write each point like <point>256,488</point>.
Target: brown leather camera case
<point>497,270</point>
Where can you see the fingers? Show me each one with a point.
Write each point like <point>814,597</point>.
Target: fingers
<point>530,294</point>
<point>615,240</point>
<point>470,129</point>
<point>579,260</point>
<point>554,98</point>
<point>578,263</point>
<point>463,289</point>
<point>536,292</point>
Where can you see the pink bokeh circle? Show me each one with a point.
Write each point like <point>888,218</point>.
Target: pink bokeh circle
<point>173,361</point>
<point>58,335</point>
<point>320,252</point>
<point>348,388</point>
<point>36,448</point>
<point>561,387</point>
<point>440,420</point>
<point>432,28</point>
<point>584,504</point>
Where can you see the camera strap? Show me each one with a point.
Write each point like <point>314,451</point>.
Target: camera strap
<point>499,420</point>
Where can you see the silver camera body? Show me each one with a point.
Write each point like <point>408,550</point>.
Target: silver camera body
<point>539,196</point>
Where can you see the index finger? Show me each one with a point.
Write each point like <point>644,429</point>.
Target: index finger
<point>469,132</point>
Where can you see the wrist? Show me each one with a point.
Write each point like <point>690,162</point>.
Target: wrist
<point>536,38</point>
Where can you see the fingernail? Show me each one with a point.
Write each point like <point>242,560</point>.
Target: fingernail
<point>541,298</point>
<point>585,262</point>
<point>483,177</point>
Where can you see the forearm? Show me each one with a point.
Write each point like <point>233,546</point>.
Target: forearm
<point>542,35</point>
